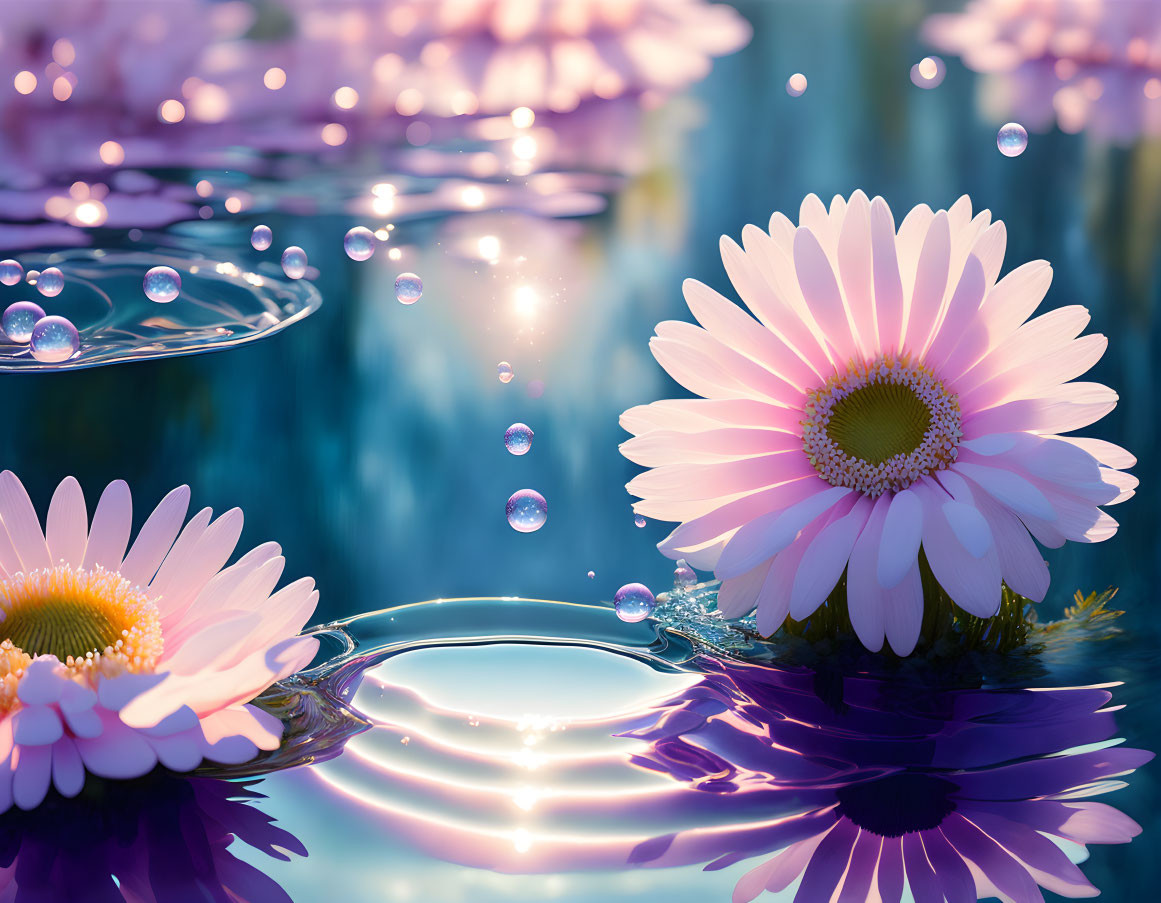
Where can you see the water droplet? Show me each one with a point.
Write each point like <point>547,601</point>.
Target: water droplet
<point>505,372</point>
<point>633,602</point>
<point>527,511</point>
<point>162,284</point>
<point>19,319</point>
<point>50,282</point>
<point>796,85</point>
<point>11,272</point>
<point>31,276</point>
<point>261,238</point>
<point>1012,139</point>
<point>639,520</point>
<point>408,288</point>
<point>294,262</point>
<point>359,243</point>
<point>54,339</point>
<point>518,438</point>
<point>591,574</point>
<point>683,575</point>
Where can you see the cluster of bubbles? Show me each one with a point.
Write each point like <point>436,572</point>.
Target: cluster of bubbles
<point>50,339</point>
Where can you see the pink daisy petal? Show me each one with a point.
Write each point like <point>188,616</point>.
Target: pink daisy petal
<point>112,524</point>
<point>931,279</point>
<point>156,537</point>
<point>32,774</point>
<point>23,526</point>
<point>738,595</point>
<point>68,772</point>
<point>889,304</point>
<point>972,582</point>
<point>820,290</point>
<point>67,524</point>
<point>904,525</point>
<point>825,559</point>
<point>774,597</point>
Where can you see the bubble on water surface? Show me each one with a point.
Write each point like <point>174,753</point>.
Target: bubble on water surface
<point>261,238</point>
<point>1012,139</point>
<point>505,372</point>
<point>633,602</point>
<point>50,282</point>
<point>526,511</point>
<point>162,284</point>
<point>54,339</point>
<point>19,319</point>
<point>359,243</point>
<point>11,272</point>
<point>518,438</point>
<point>294,262</point>
<point>683,575</point>
<point>408,288</point>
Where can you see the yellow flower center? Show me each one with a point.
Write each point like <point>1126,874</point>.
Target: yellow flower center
<point>92,621</point>
<point>881,426</point>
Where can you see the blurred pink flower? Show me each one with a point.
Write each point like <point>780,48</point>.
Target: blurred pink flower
<point>889,399</point>
<point>113,662</point>
<point>1086,64</point>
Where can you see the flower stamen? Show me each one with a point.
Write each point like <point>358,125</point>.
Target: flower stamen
<point>881,426</point>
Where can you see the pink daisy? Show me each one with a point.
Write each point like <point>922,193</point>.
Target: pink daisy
<point>892,403</point>
<point>1085,64</point>
<point>113,662</point>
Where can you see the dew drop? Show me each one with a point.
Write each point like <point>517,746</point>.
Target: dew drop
<point>162,284</point>
<point>527,511</point>
<point>639,520</point>
<point>261,238</point>
<point>1012,139</point>
<point>54,339</point>
<point>50,282</point>
<point>633,602</point>
<point>359,243</point>
<point>796,85</point>
<point>294,262</point>
<point>518,438</point>
<point>505,372</point>
<point>408,288</point>
<point>11,272</point>
<point>19,319</point>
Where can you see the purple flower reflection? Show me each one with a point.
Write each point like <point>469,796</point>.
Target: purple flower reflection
<point>958,795</point>
<point>164,838</point>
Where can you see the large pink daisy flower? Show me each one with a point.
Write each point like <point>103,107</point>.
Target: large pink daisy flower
<point>1086,64</point>
<point>115,661</point>
<point>890,404</point>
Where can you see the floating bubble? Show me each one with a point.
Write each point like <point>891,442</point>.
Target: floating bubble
<point>1012,139</point>
<point>11,272</point>
<point>294,262</point>
<point>261,238</point>
<point>54,339</point>
<point>518,438</point>
<point>408,288</point>
<point>683,575</point>
<point>31,276</point>
<point>162,284</point>
<point>796,85</point>
<point>505,372</point>
<point>359,243</point>
<point>527,511</point>
<point>591,574</point>
<point>639,520</point>
<point>633,602</point>
<point>50,282</point>
<point>928,73</point>
<point>19,319</point>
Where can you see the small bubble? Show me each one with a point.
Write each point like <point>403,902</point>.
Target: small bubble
<point>591,574</point>
<point>404,740</point>
<point>162,284</point>
<point>31,276</point>
<point>796,85</point>
<point>633,602</point>
<point>683,575</point>
<point>50,283</point>
<point>408,288</point>
<point>294,262</point>
<point>1012,139</point>
<point>505,372</point>
<point>11,272</point>
<point>19,319</point>
<point>54,339</point>
<point>518,438</point>
<point>261,238</point>
<point>359,243</point>
<point>928,73</point>
<point>639,520</point>
<point>527,511</point>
